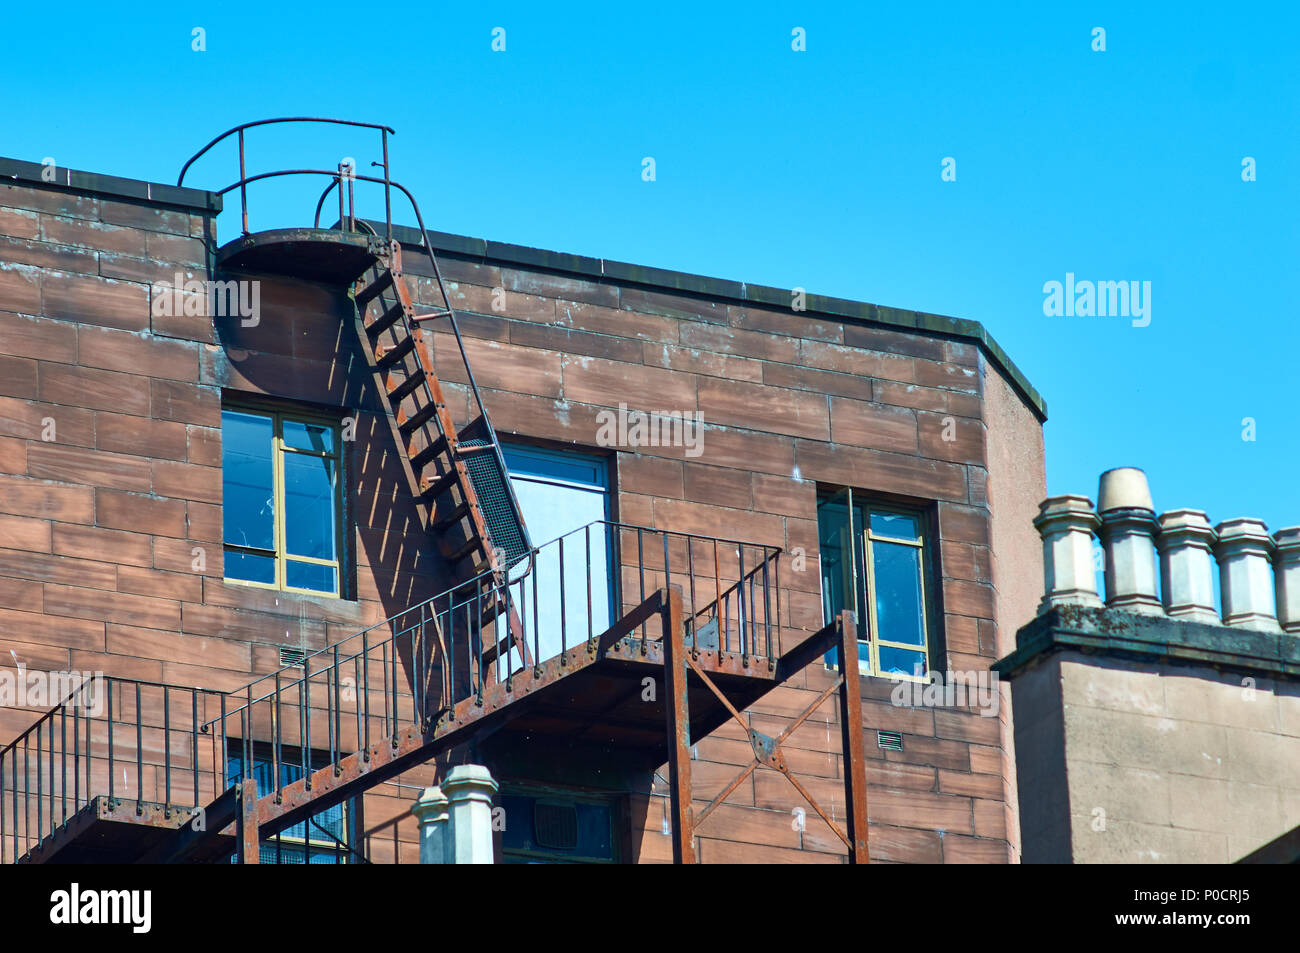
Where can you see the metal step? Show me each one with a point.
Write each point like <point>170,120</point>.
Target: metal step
<point>386,357</point>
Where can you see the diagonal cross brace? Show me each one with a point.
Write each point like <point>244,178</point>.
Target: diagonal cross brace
<point>767,750</point>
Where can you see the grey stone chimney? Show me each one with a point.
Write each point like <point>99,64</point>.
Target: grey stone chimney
<point>1066,524</point>
<point>1286,568</point>
<point>1259,574</point>
<point>1128,532</point>
<point>1245,555</point>
<point>1187,566</point>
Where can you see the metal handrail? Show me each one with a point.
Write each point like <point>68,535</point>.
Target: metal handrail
<point>487,575</point>
<point>384,133</point>
<point>431,659</point>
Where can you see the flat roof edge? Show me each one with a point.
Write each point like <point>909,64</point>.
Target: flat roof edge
<point>684,282</point>
<point>1115,633</point>
<point>109,186</point>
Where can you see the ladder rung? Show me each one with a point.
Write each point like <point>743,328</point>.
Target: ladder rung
<point>469,547</point>
<point>373,290</point>
<point>428,454</point>
<point>388,356</point>
<point>418,419</point>
<point>455,516</point>
<point>493,652</point>
<point>399,393</point>
<point>385,320</point>
<point>432,489</point>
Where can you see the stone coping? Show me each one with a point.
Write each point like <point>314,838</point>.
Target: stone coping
<point>1117,634</point>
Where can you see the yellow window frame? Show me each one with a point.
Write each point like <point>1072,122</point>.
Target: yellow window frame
<point>278,449</point>
<point>872,640</point>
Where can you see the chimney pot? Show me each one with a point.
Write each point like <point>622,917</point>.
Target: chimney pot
<point>1128,534</point>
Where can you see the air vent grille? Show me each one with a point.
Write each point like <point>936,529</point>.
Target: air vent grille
<point>292,657</point>
<point>555,825</point>
<point>889,740</point>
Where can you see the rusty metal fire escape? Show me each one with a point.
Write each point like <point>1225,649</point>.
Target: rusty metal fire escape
<point>128,770</point>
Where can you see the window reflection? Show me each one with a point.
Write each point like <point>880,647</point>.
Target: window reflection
<point>873,563</point>
<point>282,502</point>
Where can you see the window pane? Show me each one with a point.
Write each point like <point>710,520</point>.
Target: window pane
<point>309,507</point>
<point>899,614</point>
<point>894,524</point>
<point>249,498</point>
<point>304,436</point>
<point>901,661</point>
<point>310,576</point>
<point>250,568</point>
<point>559,493</point>
<point>840,548</point>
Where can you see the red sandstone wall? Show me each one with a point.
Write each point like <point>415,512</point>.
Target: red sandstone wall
<point>98,527</point>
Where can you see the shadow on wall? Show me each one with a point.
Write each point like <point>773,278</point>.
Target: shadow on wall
<point>303,348</point>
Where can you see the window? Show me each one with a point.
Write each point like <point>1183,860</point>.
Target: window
<point>875,563</point>
<point>323,837</point>
<point>283,503</point>
<point>557,827</point>
<point>560,492</point>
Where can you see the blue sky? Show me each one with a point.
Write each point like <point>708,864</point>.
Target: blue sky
<point>818,169</point>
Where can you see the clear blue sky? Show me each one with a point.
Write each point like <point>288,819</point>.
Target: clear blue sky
<point>819,169</point>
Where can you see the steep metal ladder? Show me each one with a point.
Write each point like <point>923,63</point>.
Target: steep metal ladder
<point>461,487</point>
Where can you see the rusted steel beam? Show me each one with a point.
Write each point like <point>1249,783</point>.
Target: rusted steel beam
<point>678,714</point>
<point>851,731</point>
<point>736,782</point>
<point>806,652</point>
<point>194,837</point>
<point>808,710</point>
<point>721,697</point>
<point>812,802</point>
<point>246,835</point>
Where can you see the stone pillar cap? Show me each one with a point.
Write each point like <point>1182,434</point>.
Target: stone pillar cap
<point>430,802</point>
<point>467,780</point>
<point>1241,532</point>
<point>1183,523</point>
<point>1124,488</point>
<point>1068,506</point>
<point>1288,539</point>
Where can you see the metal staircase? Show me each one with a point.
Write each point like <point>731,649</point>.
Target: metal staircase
<point>137,771</point>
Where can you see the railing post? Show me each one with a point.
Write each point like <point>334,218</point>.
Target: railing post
<point>342,214</point>
<point>243,186</point>
<point>388,194</point>
<point>248,847</point>
<point>678,713</point>
<point>851,732</point>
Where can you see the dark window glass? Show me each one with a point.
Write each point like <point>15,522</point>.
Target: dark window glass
<point>282,505</point>
<point>247,446</point>
<point>873,563</point>
<point>309,510</point>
